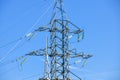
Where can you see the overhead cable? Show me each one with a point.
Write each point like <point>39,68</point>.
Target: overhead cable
<point>18,42</point>
<point>10,43</point>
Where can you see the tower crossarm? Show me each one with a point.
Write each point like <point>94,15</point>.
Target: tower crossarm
<point>40,52</point>
<point>43,28</point>
<point>82,55</point>
<point>71,28</point>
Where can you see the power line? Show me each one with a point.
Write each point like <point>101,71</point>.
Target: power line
<point>40,17</point>
<point>13,61</point>
<point>11,50</point>
<point>9,70</point>
<point>18,41</point>
<point>5,45</point>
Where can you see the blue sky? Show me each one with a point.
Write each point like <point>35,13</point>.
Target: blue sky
<point>99,18</point>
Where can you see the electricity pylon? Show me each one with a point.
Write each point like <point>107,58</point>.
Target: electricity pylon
<point>59,53</point>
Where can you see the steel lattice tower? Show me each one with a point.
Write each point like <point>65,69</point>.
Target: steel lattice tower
<point>59,44</point>
<point>58,51</point>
